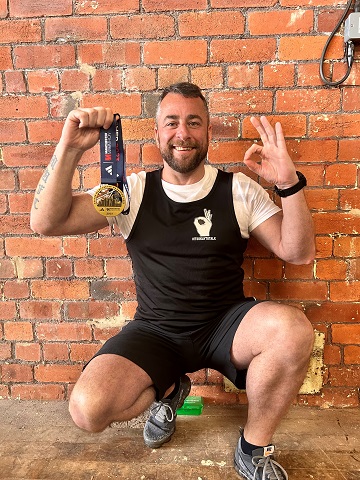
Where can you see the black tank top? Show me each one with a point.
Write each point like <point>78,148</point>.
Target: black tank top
<point>186,257</point>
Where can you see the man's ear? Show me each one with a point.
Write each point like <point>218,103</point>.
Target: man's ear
<point>156,135</point>
<point>210,131</point>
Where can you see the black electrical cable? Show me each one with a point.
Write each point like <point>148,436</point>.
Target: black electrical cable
<point>349,48</point>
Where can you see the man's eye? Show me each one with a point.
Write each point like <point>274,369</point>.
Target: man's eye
<point>194,124</point>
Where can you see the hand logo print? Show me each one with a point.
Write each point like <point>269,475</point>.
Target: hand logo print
<point>204,224</point>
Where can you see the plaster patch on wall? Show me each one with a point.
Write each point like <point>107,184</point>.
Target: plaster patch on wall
<point>313,380</point>
<point>88,69</point>
<point>118,321</point>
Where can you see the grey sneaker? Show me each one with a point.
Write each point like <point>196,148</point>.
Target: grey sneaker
<point>259,465</point>
<point>160,425</point>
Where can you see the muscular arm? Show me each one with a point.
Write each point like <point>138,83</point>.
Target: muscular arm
<point>289,234</point>
<point>55,210</point>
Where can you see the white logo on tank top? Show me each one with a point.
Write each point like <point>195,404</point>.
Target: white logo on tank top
<point>203,226</point>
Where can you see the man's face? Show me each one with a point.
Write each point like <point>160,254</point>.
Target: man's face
<point>182,132</point>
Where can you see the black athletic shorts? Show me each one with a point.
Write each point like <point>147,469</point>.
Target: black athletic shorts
<point>166,354</point>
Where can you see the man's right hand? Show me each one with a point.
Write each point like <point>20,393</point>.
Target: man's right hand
<point>81,130</point>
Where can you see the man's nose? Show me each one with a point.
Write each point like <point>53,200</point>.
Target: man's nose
<point>182,132</point>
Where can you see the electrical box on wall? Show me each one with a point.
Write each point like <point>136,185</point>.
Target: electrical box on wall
<point>352,27</point>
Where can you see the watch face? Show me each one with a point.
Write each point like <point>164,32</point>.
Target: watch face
<point>109,200</point>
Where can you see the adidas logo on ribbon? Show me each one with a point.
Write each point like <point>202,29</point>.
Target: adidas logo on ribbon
<point>109,169</point>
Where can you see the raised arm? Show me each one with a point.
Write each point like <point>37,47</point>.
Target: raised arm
<point>290,234</point>
<point>56,210</point>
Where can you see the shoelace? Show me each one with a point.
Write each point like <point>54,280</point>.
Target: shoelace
<point>270,469</point>
<point>160,412</point>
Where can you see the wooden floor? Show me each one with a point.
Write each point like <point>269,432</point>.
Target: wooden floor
<point>39,441</point>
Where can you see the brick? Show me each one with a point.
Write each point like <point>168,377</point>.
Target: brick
<point>56,352</point>
<point>255,289</point>
<point>120,53</point>
<point>72,80</point>
<point>169,75</point>
<point>215,23</point>
<point>311,150</point>
<point>58,268</point>
<point>175,52</point>
<point>5,58</point>
<point>66,289</point>
<point>23,107</point>
<point>44,131</point>
<point>128,310</point>
<point>63,331</point>
<point>346,334</point>
<point>227,152</point>
<point>142,26</point>
<point>336,223</point>
<point>207,77</point>
<point>281,22</point>
<point>15,373</point>
<point>332,397</point>
<point>307,100</point>
<point>241,76</point>
<point>140,78</point>
<point>269,268</point>
<point>340,69</point>
<point>75,246</point>
<point>345,291</point>
<point>107,80</point>
<point>225,127</point>
<point>75,29</point>
<point>341,175</point>
<point>12,131</point>
<point>105,7</point>
<point>89,267</point>
<point>42,81</point>
<point>14,82</point>
<point>349,199</point>
<point>349,150</point>
<point>278,75</point>
<point>351,99</point>
<point>322,199</point>
<point>344,377</point>
<point>83,352</point>
<point>118,268</point>
<point>5,350</point>
<point>20,31</point>
<point>8,310</point>
<point>113,290</point>
<point>290,290</point>
<point>242,3</point>
<point>41,56</point>
<point>38,392</point>
<point>7,179</point>
<point>347,246</point>
<point>40,8</point>
<point>7,268</point>
<point>297,272</point>
<point>332,355</point>
<point>241,101</point>
<point>292,125</point>
<point>331,312</point>
<point>92,310</point>
<point>16,289</point>
<point>49,373</point>
<point>33,246</point>
<point>124,104</point>
<point>331,269</point>
<point>28,352</point>
<point>107,247</point>
<point>15,224</point>
<point>239,50</point>
<point>18,331</point>
<point>138,129</point>
<point>170,5</point>
<point>40,310</point>
<point>308,48</point>
<point>332,125</point>
<point>61,105</point>
<point>3,9</point>
<point>352,354</point>
<point>308,74</point>
<point>328,19</point>
<point>151,155</point>
<point>20,202</point>
<point>3,203</point>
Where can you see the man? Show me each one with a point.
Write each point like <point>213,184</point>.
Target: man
<point>186,234</point>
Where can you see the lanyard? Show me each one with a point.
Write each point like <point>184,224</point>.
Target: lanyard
<point>109,200</point>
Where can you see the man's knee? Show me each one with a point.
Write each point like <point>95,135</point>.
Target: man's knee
<point>88,413</point>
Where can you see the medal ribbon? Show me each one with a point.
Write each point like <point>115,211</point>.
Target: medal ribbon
<point>112,158</point>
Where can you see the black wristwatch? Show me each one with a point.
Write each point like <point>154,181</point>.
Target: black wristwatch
<point>286,192</point>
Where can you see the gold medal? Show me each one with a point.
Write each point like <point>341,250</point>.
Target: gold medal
<point>109,200</point>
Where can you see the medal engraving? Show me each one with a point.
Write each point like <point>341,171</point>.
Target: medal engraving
<point>109,200</point>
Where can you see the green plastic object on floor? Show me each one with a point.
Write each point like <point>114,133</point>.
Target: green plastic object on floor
<point>192,406</point>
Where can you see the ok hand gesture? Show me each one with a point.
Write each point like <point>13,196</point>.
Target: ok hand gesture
<point>275,166</point>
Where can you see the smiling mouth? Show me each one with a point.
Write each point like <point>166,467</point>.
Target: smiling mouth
<point>182,149</point>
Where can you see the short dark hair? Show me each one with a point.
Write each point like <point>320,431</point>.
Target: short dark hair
<point>187,90</point>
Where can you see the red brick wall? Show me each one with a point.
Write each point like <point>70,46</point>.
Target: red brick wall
<point>61,297</point>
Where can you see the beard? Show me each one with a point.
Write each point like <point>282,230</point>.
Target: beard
<point>187,164</point>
